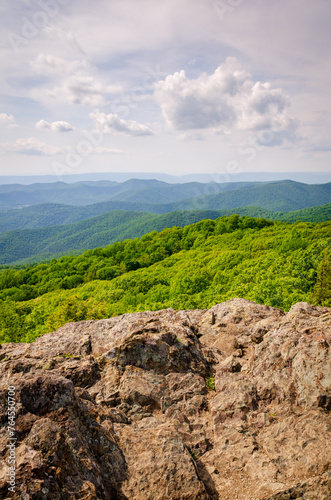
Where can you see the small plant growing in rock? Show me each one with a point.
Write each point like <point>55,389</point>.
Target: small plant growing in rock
<point>193,455</point>
<point>68,355</point>
<point>210,383</point>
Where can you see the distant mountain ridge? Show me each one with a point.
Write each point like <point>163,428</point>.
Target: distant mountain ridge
<point>306,177</point>
<point>133,190</point>
<point>160,197</point>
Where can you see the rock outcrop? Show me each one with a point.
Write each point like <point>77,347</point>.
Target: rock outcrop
<point>227,403</point>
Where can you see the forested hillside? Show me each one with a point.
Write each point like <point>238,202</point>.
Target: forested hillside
<point>276,196</point>
<point>54,214</point>
<point>37,245</point>
<point>197,266</point>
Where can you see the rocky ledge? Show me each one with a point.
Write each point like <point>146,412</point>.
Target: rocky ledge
<point>227,403</point>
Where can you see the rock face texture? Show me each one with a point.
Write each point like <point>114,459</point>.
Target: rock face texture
<point>227,403</point>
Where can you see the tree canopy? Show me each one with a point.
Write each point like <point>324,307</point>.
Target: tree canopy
<point>196,266</point>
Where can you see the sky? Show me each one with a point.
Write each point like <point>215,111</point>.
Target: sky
<point>178,86</point>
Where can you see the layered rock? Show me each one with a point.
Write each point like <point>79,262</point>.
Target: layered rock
<point>227,403</point>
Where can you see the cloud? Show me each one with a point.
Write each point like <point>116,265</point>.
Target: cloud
<point>8,120</point>
<point>31,146</point>
<point>71,81</point>
<point>226,99</point>
<point>104,151</point>
<point>113,123</point>
<point>59,126</point>
<point>82,90</point>
<point>4,118</point>
<point>48,64</point>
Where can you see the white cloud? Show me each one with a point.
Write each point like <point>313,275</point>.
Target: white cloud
<point>82,90</point>
<point>113,123</point>
<point>226,99</point>
<point>71,81</point>
<point>103,151</point>
<point>8,120</point>
<point>31,146</point>
<point>59,126</point>
<point>35,147</point>
<point>4,118</point>
<point>48,64</point>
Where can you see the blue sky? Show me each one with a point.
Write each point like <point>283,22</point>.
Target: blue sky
<point>185,86</point>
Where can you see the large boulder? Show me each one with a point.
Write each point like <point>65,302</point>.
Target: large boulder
<point>227,403</point>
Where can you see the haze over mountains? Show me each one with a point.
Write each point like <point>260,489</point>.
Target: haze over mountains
<point>160,197</point>
<point>88,192</point>
<point>306,177</point>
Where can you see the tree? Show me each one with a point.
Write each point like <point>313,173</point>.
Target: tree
<point>106,273</point>
<point>322,289</point>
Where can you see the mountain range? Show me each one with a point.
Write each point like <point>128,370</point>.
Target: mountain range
<point>60,218</point>
<point>43,243</point>
<point>306,177</point>
<point>134,190</point>
<point>160,197</point>
<point>52,214</point>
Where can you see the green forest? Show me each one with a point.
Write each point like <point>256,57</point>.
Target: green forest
<point>196,266</point>
<point>52,214</point>
<point>26,246</point>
